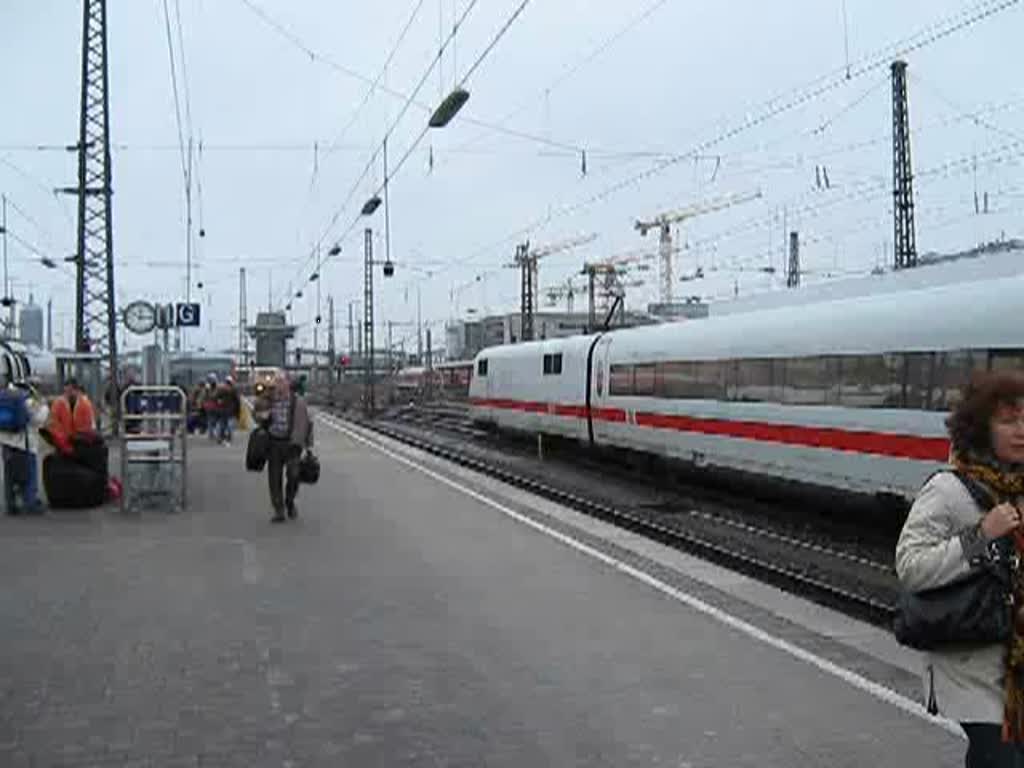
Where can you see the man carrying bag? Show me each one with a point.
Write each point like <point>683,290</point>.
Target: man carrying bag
<point>289,431</point>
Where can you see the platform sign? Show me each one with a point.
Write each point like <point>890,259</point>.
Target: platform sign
<point>165,316</point>
<point>187,315</point>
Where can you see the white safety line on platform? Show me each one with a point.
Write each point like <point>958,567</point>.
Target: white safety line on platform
<point>848,676</point>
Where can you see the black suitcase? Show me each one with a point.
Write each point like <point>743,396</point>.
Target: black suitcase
<point>257,450</point>
<point>91,452</point>
<point>70,485</point>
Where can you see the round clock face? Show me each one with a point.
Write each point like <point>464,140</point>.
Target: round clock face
<point>140,317</point>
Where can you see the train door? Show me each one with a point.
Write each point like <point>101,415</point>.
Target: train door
<point>597,387</point>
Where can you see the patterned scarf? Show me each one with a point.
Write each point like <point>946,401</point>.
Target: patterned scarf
<point>1006,482</point>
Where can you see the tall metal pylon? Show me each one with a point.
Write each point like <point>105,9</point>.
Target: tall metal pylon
<point>332,359</point>
<point>243,335</point>
<point>368,321</point>
<point>905,250</point>
<point>95,311</point>
<point>793,269</point>
<point>528,272</point>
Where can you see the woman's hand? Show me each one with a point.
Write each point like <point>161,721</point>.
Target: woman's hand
<point>1000,520</point>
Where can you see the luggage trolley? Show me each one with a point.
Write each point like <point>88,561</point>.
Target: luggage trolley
<point>154,445</point>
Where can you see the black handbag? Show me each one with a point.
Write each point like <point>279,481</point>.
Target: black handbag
<point>976,609</point>
<point>309,468</point>
<point>257,450</point>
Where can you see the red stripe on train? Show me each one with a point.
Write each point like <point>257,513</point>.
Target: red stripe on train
<point>857,441</point>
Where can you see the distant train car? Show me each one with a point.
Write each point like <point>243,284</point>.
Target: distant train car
<point>409,384</point>
<point>849,395</point>
<point>454,379</point>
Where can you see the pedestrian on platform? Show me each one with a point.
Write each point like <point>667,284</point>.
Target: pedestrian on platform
<point>21,449</point>
<point>229,408</point>
<point>946,536</point>
<point>291,430</point>
<point>211,406</point>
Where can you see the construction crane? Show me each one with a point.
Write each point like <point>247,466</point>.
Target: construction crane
<point>664,221</point>
<point>611,269</point>
<point>526,262</point>
<point>566,290</point>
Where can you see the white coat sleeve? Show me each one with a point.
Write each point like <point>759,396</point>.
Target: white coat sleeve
<point>934,548</point>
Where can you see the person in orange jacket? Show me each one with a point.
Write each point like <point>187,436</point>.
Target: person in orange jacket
<point>71,414</point>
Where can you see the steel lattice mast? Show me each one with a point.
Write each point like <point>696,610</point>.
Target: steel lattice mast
<point>904,243</point>
<point>95,313</point>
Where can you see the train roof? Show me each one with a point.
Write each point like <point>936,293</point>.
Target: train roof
<point>534,348</point>
<point>984,314</point>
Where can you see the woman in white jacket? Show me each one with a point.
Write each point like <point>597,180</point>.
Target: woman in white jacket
<point>979,686</point>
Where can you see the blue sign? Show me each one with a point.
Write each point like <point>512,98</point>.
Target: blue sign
<point>187,315</point>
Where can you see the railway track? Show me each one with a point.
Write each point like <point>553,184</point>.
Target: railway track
<point>839,575</point>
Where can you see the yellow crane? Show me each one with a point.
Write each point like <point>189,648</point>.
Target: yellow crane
<point>664,221</point>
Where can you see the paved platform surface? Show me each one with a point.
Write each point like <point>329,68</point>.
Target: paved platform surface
<point>398,621</point>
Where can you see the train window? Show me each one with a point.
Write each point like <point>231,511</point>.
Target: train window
<point>952,371</point>
<point>481,367</point>
<point>916,373</point>
<point>643,380</point>
<point>553,364</point>
<point>805,381</point>
<point>620,380</point>
<point>867,381</point>
<point>753,381</point>
<point>1006,359</point>
<point>677,380</point>
<point>711,379</point>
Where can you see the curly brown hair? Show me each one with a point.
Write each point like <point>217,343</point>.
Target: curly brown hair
<point>970,422</point>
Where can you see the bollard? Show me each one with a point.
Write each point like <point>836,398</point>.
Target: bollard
<point>540,447</point>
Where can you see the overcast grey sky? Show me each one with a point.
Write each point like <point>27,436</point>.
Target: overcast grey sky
<point>683,75</point>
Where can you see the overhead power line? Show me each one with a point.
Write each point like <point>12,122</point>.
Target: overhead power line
<point>380,76</point>
<point>774,107</point>
<point>174,89</point>
<point>328,61</point>
<point>423,132</point>
<point>387,134</point>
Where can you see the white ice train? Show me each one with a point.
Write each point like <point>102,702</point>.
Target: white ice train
<point>848,395</point>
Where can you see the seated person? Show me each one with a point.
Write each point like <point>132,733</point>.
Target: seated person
<point>76,475</point>
<point>71,415</point>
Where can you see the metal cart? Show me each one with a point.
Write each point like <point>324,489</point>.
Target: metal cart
<point>154,447</point>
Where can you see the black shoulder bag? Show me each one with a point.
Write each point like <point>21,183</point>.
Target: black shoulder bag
<point>975,609</point>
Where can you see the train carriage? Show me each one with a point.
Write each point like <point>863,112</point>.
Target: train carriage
<point>849,394</point>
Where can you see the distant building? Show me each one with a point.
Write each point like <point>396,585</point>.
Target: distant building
<point>679,310</point>
<point>31,323</point>
<point>271,333</point>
